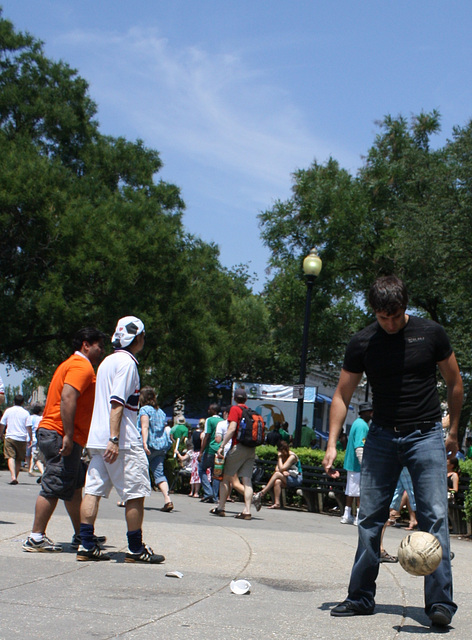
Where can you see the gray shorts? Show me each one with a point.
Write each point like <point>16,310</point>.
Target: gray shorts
<point>240,460</point>
<point>62,474</point>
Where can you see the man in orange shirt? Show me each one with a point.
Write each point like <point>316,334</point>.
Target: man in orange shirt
<point>62,434</point>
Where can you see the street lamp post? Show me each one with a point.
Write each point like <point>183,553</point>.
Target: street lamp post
<point>312,267</point>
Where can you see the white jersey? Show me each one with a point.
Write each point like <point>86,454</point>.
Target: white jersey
<point>221,429</point>
<point>16,420</point>
<point>118,381</point>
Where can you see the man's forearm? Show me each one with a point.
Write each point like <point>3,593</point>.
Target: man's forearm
<point>454,403</point>
<point>116,413</point>
<point>337,416</point>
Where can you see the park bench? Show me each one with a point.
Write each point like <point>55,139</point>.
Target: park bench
<point>315,488</point>
<point>457,522</point>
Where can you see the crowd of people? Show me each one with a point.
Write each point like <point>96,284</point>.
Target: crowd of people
<point>396,449</point>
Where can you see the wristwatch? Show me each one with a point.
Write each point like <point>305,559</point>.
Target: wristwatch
<point>115,440</point>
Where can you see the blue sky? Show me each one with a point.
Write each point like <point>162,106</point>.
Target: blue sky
<point>238,94</point>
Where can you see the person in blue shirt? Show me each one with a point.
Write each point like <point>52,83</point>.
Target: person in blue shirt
<point>353,459</point>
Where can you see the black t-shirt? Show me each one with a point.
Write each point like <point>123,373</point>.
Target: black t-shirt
<point>197,440</point>
<point>401,369</point>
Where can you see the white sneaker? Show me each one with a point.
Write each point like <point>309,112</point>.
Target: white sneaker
<point>347,520</point>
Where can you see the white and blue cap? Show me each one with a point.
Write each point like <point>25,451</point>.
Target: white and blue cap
<point>126,331</point>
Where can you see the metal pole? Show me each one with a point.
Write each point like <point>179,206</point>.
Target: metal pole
<point>298,425</point>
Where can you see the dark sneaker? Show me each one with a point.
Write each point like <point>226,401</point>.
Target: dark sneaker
<point>95,554</point>
<point>347,608</point>
<point>440,616</point>
<point>44,546</point>
<point>147,556</point>
<point>257,501</point>
<point>77,541</point>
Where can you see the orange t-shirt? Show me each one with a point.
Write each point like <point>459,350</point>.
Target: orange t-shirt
<point>77,371</point>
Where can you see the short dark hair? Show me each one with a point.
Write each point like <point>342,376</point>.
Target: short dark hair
<point>36,409</point>
<point>214,409</point>
<point>240,395</point>
<point>18,399</point>
<point>87,334</point>
<point>388,294</point>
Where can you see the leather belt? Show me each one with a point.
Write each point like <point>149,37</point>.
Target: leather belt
<point>409,428</point>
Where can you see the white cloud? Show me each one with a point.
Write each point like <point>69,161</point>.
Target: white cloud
<point>210,106</point>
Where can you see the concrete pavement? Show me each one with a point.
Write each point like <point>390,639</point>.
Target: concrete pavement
<point>298,564</point>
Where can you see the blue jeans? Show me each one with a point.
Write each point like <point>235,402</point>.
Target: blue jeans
<point>210,489</point>
<point>404,484</point>
<point>385,453</point>
<point>156,466</point>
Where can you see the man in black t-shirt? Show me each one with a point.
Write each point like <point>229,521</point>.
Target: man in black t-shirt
<point>399,354</point>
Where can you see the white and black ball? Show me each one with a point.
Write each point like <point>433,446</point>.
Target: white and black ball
<point>420,553</point>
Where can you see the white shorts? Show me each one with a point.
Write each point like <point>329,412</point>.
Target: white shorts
<point>129,474</point>
<point>353,484</point>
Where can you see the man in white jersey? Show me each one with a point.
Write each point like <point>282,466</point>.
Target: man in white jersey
<point>116,448</point>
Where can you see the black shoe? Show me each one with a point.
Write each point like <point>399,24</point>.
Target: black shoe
<point>440,615</point>
<point>77,541</point>
<point>147,556</point>
<point>208,500</point>
<point>347,608</point>
<point>95,554</point>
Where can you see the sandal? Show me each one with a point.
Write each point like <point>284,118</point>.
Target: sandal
<point>167,507</point>
<point>218,512</point>
<point>386,557</point>
<point>274,506</point>
<point>243,516</point>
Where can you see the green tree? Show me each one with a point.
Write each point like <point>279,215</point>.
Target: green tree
<point>407,211</point>
<point>90,234</point>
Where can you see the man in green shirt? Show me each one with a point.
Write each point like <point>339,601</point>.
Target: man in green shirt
<point>180,430</point>
<point>284,432</point>
<point>307,436</point>
<point>206,459</point>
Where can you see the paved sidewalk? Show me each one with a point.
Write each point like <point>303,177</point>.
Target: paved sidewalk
<point>298,564</point>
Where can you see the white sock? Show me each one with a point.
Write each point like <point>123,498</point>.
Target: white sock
<point>347,512</point>
<point>37,537</point>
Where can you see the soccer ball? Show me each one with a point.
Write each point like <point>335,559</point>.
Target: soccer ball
<point>420,553</point>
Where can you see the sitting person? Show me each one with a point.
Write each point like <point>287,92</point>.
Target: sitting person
<point>288,473</point>
<point>452,476</point>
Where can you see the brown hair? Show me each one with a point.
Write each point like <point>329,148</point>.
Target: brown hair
<point>148,397</point>
<point>284,448</point>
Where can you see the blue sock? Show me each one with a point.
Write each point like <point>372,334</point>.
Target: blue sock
<point>86,535</point>
<point>135,541</point>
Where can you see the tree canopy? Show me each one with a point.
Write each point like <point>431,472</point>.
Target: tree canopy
<point>89,234</point>
<point>408,211</point>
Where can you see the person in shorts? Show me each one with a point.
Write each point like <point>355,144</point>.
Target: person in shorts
<point>36,459</point>
<point>61,436</point>
<point>116,447</point>
<point>16,421</point>
<point>353,459</point>
<point>239,461</point>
